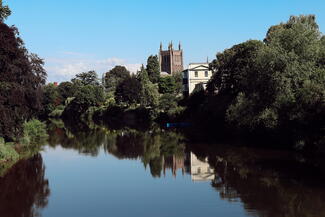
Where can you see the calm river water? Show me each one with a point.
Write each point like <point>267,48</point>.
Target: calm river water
<point>123,173</point>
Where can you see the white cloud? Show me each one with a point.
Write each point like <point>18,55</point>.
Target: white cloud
<point>72,63</point>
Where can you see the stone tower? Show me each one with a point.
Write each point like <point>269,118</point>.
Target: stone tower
<point>171,61</point>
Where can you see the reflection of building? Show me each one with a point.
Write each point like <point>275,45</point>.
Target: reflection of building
<point>174,163</point>
<point>171,61</point>
<point>201,170</point>
<point>196,74</point>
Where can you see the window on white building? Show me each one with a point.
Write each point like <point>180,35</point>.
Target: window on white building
<point>206,74</point>
<point>196,74</point>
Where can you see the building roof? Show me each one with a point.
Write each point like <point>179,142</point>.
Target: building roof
<point>198,65</point>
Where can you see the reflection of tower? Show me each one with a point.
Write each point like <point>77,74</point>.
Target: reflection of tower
<point>171,61</point>
<point>174,163</point>
<point>201,170</point>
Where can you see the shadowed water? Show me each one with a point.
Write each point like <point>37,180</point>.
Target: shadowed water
<point>102,172</point>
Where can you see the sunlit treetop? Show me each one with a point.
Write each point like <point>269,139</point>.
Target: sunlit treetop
<point>4,11</point>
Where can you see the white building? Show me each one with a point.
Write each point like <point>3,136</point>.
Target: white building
<point>201,170</point>
<point>197,73</point>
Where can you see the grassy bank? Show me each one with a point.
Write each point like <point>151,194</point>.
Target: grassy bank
<point>34,136</point>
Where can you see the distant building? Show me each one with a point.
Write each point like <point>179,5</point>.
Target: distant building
<point>196,74</point>
<point>171,61</point>
<point>201,170</point>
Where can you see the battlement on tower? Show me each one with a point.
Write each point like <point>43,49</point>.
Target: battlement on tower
<point>171,61</point>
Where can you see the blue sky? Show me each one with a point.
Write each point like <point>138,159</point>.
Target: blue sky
<point>80,35</point>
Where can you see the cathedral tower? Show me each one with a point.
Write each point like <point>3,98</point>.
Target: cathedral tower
<point>171,61</point>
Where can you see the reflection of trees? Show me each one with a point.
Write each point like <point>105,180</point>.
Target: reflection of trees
<point>85,140</point>
<point>157,149</point>
<point>24,189</point>
<point>272,183</point>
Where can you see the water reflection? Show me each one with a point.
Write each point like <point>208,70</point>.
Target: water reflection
<point>201,169</point>
<point>24,189</point>
<point>268,183</point>
<point>157,149</point>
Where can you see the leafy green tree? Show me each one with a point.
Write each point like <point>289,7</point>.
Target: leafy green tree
<point>278,84</point>
<point>178,77</point>
<point>67,89</point>
<point>51,98</point>
<point>128,91</point>
<point>167,84</point>
<point>153,69</point>
<point>114,77</point>
<point>168,105</point>
<point>149,95</point>
<point>171,84</point>
<point>232,68</point>
<point>87,78</point>
<point>85,97</point>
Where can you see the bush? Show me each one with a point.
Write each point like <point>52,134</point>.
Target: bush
<point>34,133</point>
<point>7,153</point>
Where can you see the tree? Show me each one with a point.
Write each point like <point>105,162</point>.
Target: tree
<point>232,67</point>
<point>278,84</point>
<point>167,85</point>
<point>153,69</point>
<point>128,91</point>
<point>4,12</point>
<point>51,99</point>
<point>114,77</point>
<point>149,94</point>
<point>84,97</point>
<point>66,89</point>
<point>21,79</point>
<point>87,78</point>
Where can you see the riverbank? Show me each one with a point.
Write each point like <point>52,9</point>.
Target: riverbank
<point>34,137</point>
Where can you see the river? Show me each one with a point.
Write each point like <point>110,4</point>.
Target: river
<point>158,173</point>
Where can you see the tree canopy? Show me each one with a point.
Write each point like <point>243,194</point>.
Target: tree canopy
<point>153,68</point>
<point>114,77</point>
<point>21,77</point>
<point>275,84</point>
<point>149,95</point>
<point>87,78</point>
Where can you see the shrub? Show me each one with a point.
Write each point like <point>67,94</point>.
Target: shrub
<point>34,133</point>
<point>7,153</point>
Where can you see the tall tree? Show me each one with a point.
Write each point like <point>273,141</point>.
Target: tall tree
<point>21,78</point>
<point>149,91</point>
<point>153,69</point>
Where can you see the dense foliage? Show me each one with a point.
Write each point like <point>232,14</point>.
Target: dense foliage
<point>278,84</point>
<point>128,91</point>
<point>21,79</point>
<point>114,77</point>
<point>153,69</point>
